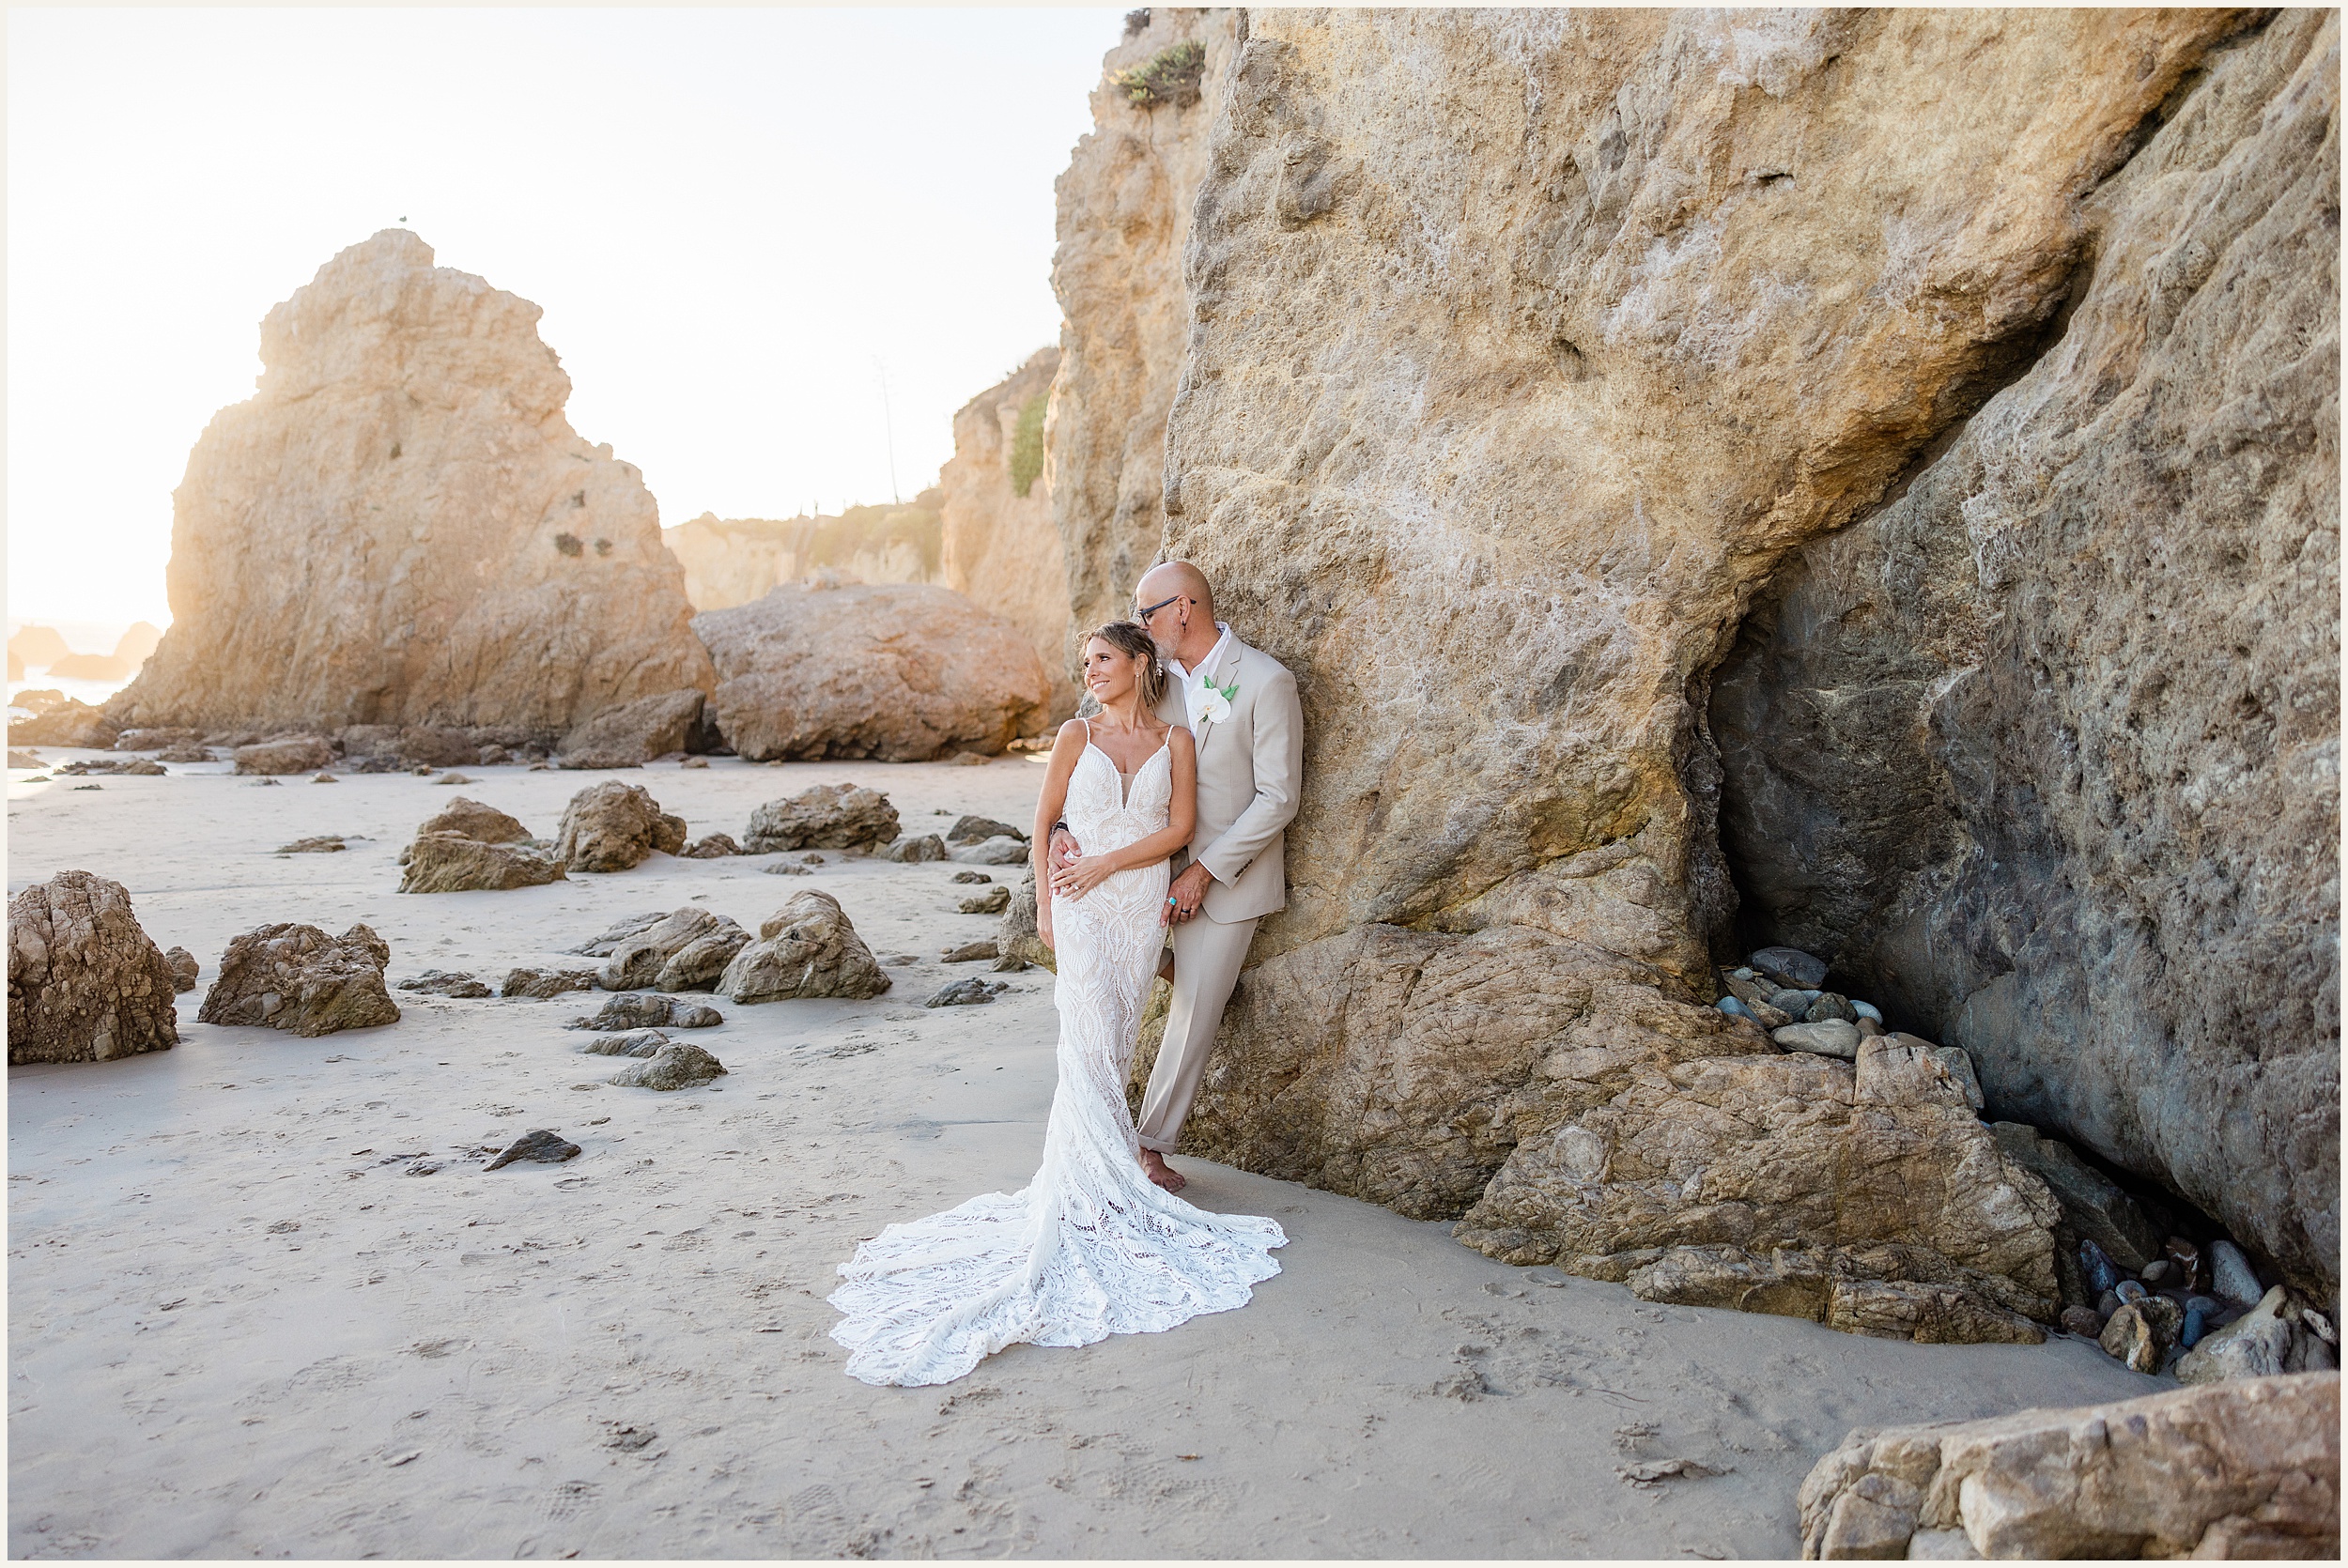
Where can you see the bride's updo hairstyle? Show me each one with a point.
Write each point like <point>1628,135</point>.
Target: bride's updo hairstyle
<point>1129,638</point>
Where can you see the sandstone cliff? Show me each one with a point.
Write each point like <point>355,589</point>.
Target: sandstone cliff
<point>1125,206</point>
<point>1002,551</point>
<point>733,560</point>
<point>1523,349</point>
<point>401,528</point>
<point>2044,751</point>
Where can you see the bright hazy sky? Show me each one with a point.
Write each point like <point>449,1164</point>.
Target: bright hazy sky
<point>733,220</point>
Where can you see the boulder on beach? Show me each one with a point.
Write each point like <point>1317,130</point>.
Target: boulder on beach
<point>686,951</point>
<point>542,984</point>
<point>2241,1469</point>
<point>633,733</point>
<point>296,978</point>
<point>1872,1199</point>
<point>401,528</point>
<point>611,826</point>
<point>184,967</point>
<point>901,672</point>
<point>286,753</point>
<point>645,1010</point>
<point>807,948</point>
<point>676,1065</point>
<point>827,817</point>
<point>711,846</point>
<point>85,982</point>
<point>466,847</point>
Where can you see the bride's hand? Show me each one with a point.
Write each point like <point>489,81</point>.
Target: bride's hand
<point>1074,882</point>
<point>1043,927</point>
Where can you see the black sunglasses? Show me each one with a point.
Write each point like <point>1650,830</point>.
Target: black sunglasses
<point>1142,616</point>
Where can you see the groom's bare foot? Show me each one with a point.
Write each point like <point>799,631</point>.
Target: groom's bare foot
<point>1153,1165</point>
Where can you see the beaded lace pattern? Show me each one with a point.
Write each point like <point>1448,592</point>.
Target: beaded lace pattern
<point>1091,1247</point>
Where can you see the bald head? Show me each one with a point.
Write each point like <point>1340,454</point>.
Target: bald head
<point>1174,602</point>
<point>1174,578</point>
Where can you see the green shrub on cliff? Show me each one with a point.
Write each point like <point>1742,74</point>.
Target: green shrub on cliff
<point>1026,445</point>
<point>1169,76</point>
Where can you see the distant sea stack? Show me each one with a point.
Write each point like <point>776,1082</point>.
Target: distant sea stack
<point>401,528</point>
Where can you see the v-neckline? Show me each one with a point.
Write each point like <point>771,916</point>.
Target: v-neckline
<point>1124,779</point>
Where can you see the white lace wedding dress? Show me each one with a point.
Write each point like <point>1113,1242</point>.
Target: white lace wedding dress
<point>1090,1248</point>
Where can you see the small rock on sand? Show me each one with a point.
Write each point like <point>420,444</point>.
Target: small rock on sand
<point>975,830</point>
<point>714,846</point>
<point>441,982</point>
<point>993,901</point>
<point>989,852</point>
<point>287,754</point>
<point>542,1144</point>
<point>675,1065</point>
<point>632,1042</point>
<point>827,817</point>
<point>640,1011</point>
<point>541,984</point>
<point>968,991</point>
<point>972,878</point>
<point>970,952</point>
<point>914,851</point>
<point>324,843</point>
<point>183,966</point>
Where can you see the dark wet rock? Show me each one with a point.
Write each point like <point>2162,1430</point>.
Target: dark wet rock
<point>296,978</point>
<point>1830,1008</point>
<point>675,1065</point>
<point>542,984</point>
<point>542,1144</point>
<point>1789,966</point>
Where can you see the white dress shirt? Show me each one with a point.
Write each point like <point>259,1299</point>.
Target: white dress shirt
<point>1193,686</point>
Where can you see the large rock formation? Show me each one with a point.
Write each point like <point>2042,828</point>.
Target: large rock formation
<point>1493,437</point>
<point>86,981</point>
<point>733,560</point>
<point>1125,204</point>
<point>901,673</point>
<point>2043,752</point>
<point>1002,550</point>
<point>2244,1470</point>
<point>400,527</point>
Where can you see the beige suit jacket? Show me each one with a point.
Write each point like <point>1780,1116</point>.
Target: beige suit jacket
<point>1250,766</point>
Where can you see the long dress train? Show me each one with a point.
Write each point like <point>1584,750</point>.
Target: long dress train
<point>1091,1247</point>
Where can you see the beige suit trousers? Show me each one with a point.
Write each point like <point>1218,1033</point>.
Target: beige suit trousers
<point>1206,958</point>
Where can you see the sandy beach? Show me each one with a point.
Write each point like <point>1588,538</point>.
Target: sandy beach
<point>244,1322</point>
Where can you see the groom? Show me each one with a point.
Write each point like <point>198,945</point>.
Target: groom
<point>1240,705</point>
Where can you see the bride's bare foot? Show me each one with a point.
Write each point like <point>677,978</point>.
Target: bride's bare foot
<point>1153,1165</point>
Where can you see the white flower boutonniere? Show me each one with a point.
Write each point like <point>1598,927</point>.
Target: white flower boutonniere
<point>1214,702</point>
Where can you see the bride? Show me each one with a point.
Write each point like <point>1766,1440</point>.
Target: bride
<point>1091,1247</point>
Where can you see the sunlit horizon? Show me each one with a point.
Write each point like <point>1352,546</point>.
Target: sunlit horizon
<point>739,224</point>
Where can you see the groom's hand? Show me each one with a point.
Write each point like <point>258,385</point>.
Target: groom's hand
<point>1064,851</point>
<point>1186,894</point>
